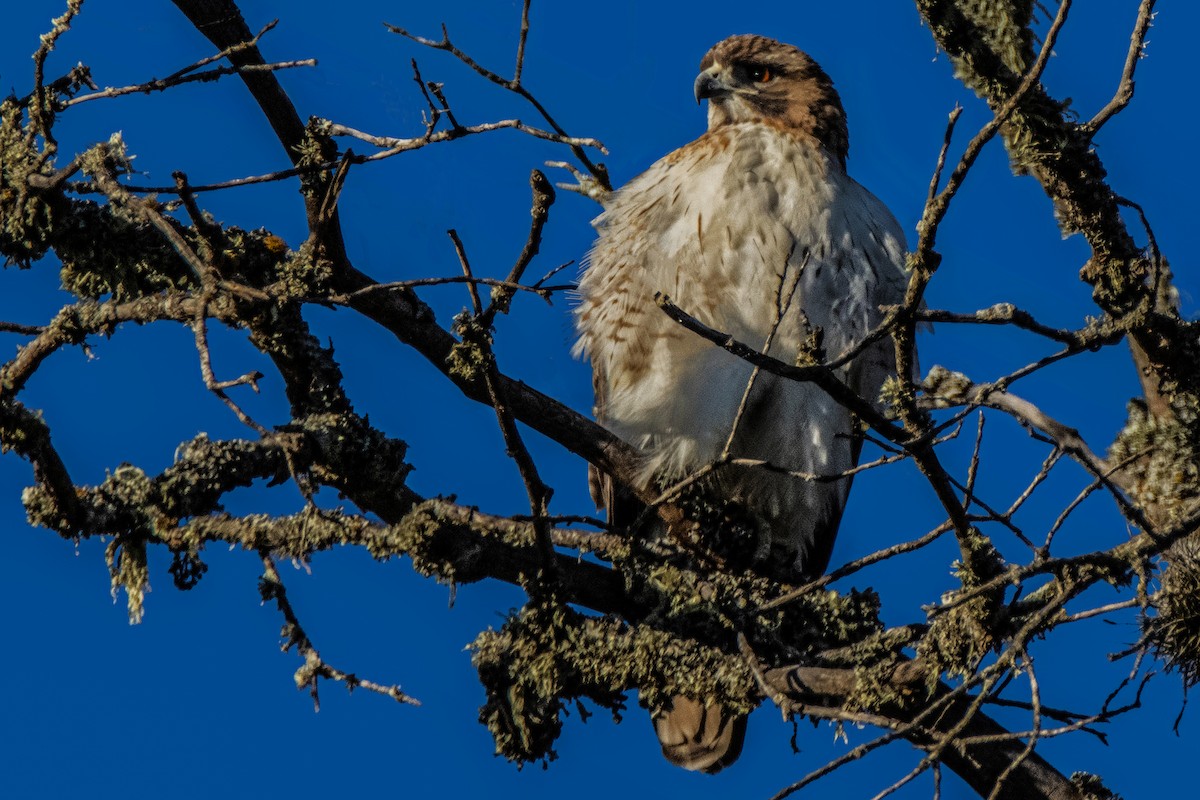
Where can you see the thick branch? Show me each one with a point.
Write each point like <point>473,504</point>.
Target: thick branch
<point>979,765</point>
<point>402,313</point>
<point>945,389</point>
<point>1056,150</point>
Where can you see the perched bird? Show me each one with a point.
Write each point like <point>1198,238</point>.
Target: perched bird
<point>755,229</point>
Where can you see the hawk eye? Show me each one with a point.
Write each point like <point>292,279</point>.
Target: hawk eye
<point>759,73</point>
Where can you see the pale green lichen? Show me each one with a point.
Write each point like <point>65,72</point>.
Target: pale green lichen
<point>956,642</point>
<point>874,661</point>
<point>957,639</point>
<point>895,394</point>
<point>315,149</point>
<point>296,536</point>
<point>1162,458</point>
<point>1005,24</point>
<point>128,569</point>
<point>1174,630</point>
<point>715,606</point>
<point>991,31</point>
<point>205,470</point>
<point>354,456</point>
<point>546,657</point>
<point>110,249</point>
<point>992,46</point>
<point>440,545</point>
<point>27,218</point>
<point>123,499</point>
<point>945,388</point>
<point>1160,454</point>
<point>980,560</point>
<point>123,504</point>
<point>1091,787</point>
<point>260,258</point>
<point>301,274</point>
<point>106,251</point>
<point>470,355</point>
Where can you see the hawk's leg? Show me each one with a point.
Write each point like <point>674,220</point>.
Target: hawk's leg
<point>737,537</point>
<point>726,531</point>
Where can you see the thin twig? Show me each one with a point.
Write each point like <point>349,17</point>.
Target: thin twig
<point>598,172</point>
<point>1100,481</point>
<point>24,330</point>
<point>783,302</point>
<point>521,43</point>
<point>973,466</point>
<point>947,389</point>
<point>468,277</point>
<point>314,668</point>
<point>947,138</point>
<point>1034,733</point>
<point>205,76</point>
<point>535,488</point>
<point>200,331</point>
<point>544,292</point>
<point>1124,93</point>
<point>40,115</point>
<point>543,199</point>
<point>1048,464</point>
<point>820,375</point>
<point>394,146</point>
<point>858,564</point>
<point>1133,602</point>
<point>1007,314</point>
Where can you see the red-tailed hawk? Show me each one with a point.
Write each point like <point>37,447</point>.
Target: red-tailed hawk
<point>756,230</point>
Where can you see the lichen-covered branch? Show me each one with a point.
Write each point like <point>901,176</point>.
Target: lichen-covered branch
<point>1044,141</point>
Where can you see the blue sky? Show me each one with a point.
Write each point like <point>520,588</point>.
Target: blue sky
<point>198,701</point>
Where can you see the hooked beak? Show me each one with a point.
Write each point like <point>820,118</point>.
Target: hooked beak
<point>709,85</point>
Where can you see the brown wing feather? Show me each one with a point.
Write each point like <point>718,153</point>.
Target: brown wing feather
<point>826,532</point>
<point>622,507</point>
<point>599,484</point>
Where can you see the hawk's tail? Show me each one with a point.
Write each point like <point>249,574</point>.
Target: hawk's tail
<point>699,736</point>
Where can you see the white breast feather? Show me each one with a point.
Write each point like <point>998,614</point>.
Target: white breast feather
<point>717,226</point>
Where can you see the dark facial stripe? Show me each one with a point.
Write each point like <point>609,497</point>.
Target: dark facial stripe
<point>769,105</point>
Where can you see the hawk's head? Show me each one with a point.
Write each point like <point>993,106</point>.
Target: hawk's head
<point>756,79</point>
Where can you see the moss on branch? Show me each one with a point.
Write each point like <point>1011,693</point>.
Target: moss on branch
<point>548,656</point>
